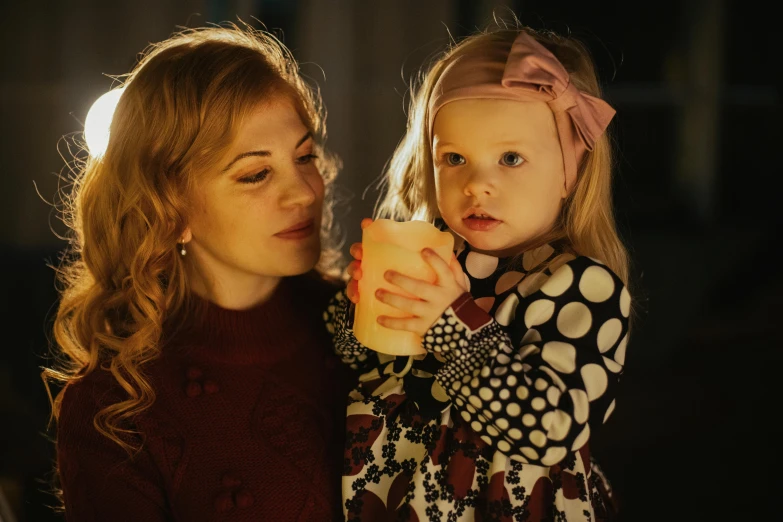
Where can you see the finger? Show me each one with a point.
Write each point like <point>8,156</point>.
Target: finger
<point>408,324</point>
<point>459,275</point>
<point>354,270</point>
<point>400,302</point>
<point>366,222</point>
<point>421,289</point>
<point>440,266</point>
<point>356,251</point>
<point>352,291</point>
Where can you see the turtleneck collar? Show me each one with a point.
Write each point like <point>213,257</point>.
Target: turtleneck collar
<point>524,261</point>
<point>262,334</point>
<point>527,259</point>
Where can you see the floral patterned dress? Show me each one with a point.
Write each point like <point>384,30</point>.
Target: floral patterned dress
<point>494,421</point>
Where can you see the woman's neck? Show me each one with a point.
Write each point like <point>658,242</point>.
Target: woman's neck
<point>234,291</point>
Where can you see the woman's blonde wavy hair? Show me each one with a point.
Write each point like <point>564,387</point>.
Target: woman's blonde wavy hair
<point>586,225</point>
<point>123,282</point>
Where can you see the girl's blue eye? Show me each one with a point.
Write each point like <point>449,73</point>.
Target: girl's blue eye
<point>511,159</point>
<point>255,178</point>
<point>454,159</point>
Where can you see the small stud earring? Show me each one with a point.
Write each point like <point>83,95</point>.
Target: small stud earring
<point>183,252</point>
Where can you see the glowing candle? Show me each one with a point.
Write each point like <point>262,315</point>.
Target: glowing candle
<point>390,245</point>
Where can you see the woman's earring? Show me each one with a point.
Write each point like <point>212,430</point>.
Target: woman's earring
<point>183,252</point>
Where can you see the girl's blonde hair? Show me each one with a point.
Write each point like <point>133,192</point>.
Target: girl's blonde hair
<point>123,283</point>
<point>586,224</point>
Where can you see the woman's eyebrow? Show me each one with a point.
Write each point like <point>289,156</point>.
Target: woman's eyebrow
<point>264,153</point>
<point>304,139</point>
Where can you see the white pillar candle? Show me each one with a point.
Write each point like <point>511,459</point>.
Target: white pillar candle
<point>391,245</point>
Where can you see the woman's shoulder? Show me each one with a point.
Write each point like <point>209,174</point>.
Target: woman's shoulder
<point>84,398</point>
<point>93,390</point>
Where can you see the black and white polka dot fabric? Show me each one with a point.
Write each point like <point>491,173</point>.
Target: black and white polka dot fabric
<point>496,418</point>
<point>537,369</point>
<point>337,320</point>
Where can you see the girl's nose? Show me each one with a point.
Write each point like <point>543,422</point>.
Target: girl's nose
<point>479,184</point>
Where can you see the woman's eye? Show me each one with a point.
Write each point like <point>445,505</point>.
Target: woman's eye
<point>454,159</point>
<point>255,178</point>
<point>307,158</point>
<point>511,159</point>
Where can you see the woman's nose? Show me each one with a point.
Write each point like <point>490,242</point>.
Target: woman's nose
<point>298,192</point>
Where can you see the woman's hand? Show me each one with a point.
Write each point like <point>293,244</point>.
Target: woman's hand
<point>433,299</point>
<point>355,267</point>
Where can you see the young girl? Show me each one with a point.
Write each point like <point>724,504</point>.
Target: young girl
<point>526,335</point>
<point>199,383</point>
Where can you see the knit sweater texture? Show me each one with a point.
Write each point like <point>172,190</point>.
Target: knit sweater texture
<point>246,425</point>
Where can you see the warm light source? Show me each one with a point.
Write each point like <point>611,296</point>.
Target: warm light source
<point>96,126</point>
<point>391,245</point>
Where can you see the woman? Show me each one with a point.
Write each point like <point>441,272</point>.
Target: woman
<point>198,380</point>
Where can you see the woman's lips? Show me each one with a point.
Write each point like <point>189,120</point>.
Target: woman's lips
<point>481,224</point>
<point>298,231</point>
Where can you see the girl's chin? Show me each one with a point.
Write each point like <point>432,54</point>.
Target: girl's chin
<point>494,246</point>
<point>482,241</point>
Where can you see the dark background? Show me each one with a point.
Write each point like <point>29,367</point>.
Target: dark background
<point>696,87</point>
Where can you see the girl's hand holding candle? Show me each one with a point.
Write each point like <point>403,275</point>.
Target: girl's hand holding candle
<point>406,284</point>
<point>355,267</point>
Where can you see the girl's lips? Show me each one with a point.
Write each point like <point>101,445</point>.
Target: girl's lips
<point>481,224</point>
<point>298,231</point>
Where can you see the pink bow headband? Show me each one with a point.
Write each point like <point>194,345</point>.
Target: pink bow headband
<point>528,72</point>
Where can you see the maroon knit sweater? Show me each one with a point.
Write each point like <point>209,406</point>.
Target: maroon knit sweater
<point>247,424</point>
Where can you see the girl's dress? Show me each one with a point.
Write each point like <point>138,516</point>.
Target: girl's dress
<point>494,421</point>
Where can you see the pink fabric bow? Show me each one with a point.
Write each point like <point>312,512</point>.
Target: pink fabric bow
<point>531,73</point>
<point>580,118</point>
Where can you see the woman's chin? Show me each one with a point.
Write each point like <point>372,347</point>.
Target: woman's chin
<point>302,263</point>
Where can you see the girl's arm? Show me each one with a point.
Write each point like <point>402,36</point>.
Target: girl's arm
<point>339,316</point>
<point>538,401</point>
<point>338,322</point>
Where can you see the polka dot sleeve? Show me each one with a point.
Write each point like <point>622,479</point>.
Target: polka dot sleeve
<point>539,399</point>
<point>338,324</point>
